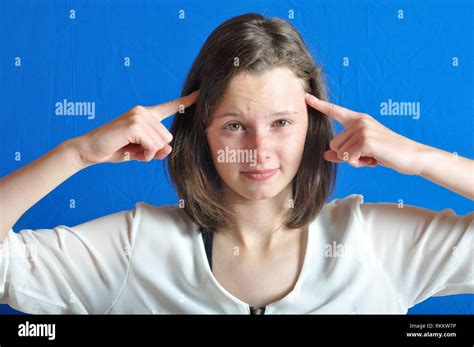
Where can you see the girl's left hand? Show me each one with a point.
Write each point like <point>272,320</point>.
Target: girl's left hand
<point>366,142</point>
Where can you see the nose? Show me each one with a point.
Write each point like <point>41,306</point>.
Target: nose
<point>260,141</point>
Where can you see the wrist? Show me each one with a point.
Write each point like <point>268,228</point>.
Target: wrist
<point>73,149</point>
<point>434,159</point>
<point>427,155</point>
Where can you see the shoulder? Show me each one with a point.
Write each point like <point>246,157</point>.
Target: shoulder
<point>344,209</point>
<point>169,219</point>
<point>164,235</point>
<point>340,216</point>
<point>354,206</point>
<point>348,201</point>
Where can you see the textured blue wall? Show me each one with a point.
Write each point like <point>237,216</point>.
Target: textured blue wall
<point>420,52</point>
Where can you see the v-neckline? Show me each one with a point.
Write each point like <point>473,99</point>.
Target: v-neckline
<point>268,308</point>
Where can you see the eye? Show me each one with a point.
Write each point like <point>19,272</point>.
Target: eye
<point>233,126</point>
<point>282,122</point>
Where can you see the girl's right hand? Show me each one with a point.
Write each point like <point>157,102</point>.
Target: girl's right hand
<point>138,134</point>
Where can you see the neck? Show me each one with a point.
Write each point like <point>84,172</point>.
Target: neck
<point>259,223</point>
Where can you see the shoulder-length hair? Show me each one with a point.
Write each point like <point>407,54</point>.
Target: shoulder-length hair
<point>253,44</point>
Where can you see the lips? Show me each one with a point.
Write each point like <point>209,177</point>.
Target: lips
<point>260,175</point>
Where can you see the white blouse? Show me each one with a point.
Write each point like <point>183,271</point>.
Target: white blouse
<point>360,258</point>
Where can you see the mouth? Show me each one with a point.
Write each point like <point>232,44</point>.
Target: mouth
<point>259,175</point>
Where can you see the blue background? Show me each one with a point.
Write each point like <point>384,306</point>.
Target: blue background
<point>82,59</point>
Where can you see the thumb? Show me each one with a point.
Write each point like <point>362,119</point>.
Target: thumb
<point>162,153</point>
<point>331,155</point>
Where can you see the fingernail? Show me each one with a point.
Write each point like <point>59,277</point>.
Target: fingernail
<point>311,96</point>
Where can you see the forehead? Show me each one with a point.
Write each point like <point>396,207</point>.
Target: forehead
<point>276,88</point>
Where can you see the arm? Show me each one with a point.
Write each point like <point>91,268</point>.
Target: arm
<point>21,189</point>
<point>451,171</point>
<point>136,135</point>
<point>366,142</point>
<point>79,269</point>
<point>423,252</point>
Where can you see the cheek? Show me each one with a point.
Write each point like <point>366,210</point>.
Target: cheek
<point>218,140</point>
<point>215,143</point>
<point>292,145</point>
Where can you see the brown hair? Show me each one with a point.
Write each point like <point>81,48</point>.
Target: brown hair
<point>254,44</point>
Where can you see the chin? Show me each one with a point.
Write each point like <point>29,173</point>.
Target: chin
<point>259,196</point>
<point>260,193</point>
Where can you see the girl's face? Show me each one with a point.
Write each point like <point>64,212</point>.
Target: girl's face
<point>261,124</point>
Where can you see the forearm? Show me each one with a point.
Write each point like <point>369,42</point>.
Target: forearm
<point>449,170</point>
<point>21,189</point>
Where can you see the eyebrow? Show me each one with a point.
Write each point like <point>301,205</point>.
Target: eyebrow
<point>276,113</point>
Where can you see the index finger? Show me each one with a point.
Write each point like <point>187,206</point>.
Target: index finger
<point>339,113</point>
<point>163,111</point>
